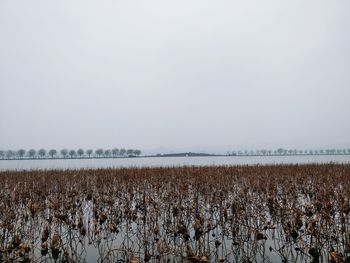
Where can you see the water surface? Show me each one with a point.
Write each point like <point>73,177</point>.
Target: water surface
<point>168,161</point>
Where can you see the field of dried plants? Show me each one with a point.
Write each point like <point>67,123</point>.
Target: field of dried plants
<point>276,213</point>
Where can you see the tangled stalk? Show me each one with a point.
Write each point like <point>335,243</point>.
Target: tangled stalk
<point>288,213</point>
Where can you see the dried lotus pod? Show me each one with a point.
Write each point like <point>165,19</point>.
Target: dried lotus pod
<point>134,260</point>
<point>55,242</point>
<point>24,248</point>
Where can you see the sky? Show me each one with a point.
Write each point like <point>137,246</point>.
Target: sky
<point>174,75</point>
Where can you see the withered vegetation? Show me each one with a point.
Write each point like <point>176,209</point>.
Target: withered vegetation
<point>276,213</point>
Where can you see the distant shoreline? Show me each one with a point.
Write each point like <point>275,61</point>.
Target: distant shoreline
<point>188,154</point>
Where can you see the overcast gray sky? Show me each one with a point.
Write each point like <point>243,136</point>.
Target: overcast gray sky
<point>192,74</point>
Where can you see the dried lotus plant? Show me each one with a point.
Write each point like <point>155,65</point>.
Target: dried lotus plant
<point>288,213</point>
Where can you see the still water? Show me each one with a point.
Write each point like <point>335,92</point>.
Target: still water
<point>167,161</point>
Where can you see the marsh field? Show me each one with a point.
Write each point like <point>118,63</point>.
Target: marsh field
<point>257,213</point>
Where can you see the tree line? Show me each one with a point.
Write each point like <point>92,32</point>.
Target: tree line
<point>281,151</point>
<point>65,153</point>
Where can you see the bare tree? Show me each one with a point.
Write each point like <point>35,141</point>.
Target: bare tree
<point>21,153</point>
<point>2,154</point>
<point>122,151</point>
<point>89,152</point>
<point>115,152</point>
<point>52,153</point>
<point>137,152</point>
<point>64,153</point>
<point>107,153</point>
<point>130,152</point>
<point>72,153</point>
<point>80,152</point>
<point>10,154</point>
<point>42,153</point>
<point>32,153</point>
<point>99,152</point>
